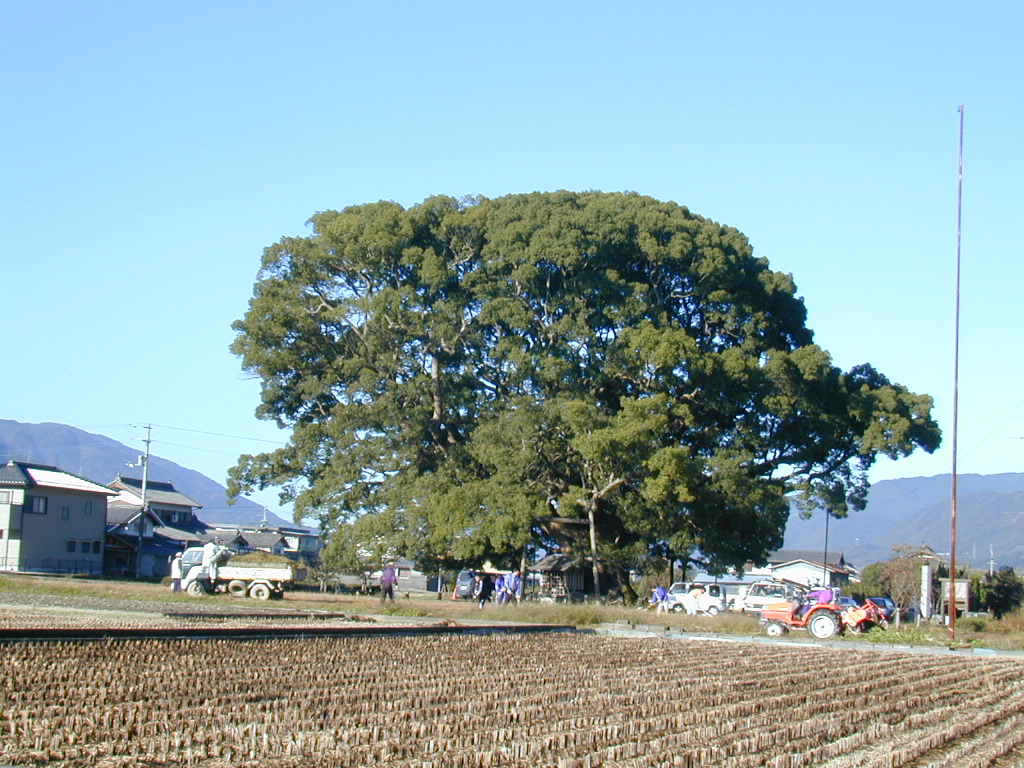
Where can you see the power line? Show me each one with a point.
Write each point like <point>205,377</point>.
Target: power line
<point>220,434</point>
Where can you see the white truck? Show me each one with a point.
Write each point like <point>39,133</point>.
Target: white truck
<point>209,571</point>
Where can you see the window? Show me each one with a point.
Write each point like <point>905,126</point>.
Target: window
<point>88,507</point>
<point>65,513</point>
<point>71,546</point>
<point>95,547</point>
<point>5,497</point>
<point>36,505</point>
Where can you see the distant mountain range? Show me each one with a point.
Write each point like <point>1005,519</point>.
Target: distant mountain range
<point>916,510</point>
<point>101,459</point>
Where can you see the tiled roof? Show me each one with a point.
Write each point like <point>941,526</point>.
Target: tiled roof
<point>263,540</point>
<point>119,513</point>
<point>833,557</point>
<point>12,474</point>
<point>554,563</point>
<point>157,492</point>
<point>180,535</point>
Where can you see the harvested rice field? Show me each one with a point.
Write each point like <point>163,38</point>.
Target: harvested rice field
<point>476,701</point>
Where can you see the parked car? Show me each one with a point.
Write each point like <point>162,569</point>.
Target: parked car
<point>763,593</point>
<point>712,601</point>
<point>846,602</point>
<point>886,606</point>
<point>464,585</point>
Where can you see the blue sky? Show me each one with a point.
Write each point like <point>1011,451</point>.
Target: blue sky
<point>150,151</point>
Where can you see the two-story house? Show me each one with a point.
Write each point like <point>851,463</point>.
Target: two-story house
<point>143,544</point>
<point>807,567</point>
<point>51,521</point>
<point>296,542</point>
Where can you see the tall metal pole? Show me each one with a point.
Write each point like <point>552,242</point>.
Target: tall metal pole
<point>956,385</point>
<point>824,558</point>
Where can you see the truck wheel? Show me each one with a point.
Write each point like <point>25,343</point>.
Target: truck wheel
<point>195,588</point>
<point>260,592</point>
<point>823,625</point>
<point>237,587</point>
<point>677,608</point>
<point>774,629</point>
<point>712,610</point>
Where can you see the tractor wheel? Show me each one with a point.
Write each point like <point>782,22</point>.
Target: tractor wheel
<point>823,625</point>
<point>237,588</point>
<point>260,592</point>
<point>196,588</point>
<point>774,629</point>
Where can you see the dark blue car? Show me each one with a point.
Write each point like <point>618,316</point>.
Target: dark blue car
<point>885,605</point>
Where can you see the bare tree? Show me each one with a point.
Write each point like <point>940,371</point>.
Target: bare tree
<point>902,577</point>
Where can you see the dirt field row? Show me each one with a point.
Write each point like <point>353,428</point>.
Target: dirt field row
<point>565,701</point>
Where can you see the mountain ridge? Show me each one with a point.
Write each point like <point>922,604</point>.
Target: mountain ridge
<point>101,459</point>
<point>917,510</point>
<point>914,510</point>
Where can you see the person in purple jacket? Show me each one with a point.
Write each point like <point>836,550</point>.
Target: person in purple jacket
<point>816,596</point>
<point>512,587</point>
<point>388,580</point>
<point>659,599</point>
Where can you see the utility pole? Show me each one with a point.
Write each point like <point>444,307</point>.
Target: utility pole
<point>145,501</point>
<point>825,581</point>
<point>956,386</point>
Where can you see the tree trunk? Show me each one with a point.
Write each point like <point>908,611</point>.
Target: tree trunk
<point>593,550</point>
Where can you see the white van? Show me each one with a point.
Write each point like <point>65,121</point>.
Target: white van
<point>761,594</point>
<point>712,601</point>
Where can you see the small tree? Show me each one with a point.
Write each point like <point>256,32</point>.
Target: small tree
<point>901,576</point>
<point>1004,592</point>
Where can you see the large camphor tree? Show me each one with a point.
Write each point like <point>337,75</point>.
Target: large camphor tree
<point>456,373</point>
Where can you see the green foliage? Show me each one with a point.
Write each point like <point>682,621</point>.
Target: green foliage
<point>907,634</point>
<point>461,368</point>
<point>872,583</point>
<point>1003,592</point>
<point>972,624</point>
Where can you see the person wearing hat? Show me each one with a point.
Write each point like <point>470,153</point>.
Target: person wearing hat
<point>388,580</point>
<point>176,573</point>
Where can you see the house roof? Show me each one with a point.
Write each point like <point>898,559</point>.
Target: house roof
<point>833,558</point>
<point>227,538</point>
<point>157,492</point>
<point>551,563</point>
<point>263,540</point>
<point>180,534</point>
<point>119,513</point>
<point>25,474</point>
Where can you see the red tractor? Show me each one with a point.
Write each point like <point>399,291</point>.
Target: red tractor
<point>822,618</point>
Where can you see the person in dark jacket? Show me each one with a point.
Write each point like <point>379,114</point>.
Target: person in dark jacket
<point>482,589</point>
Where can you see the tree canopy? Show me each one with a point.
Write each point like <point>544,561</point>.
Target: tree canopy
<point>462,369</point>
